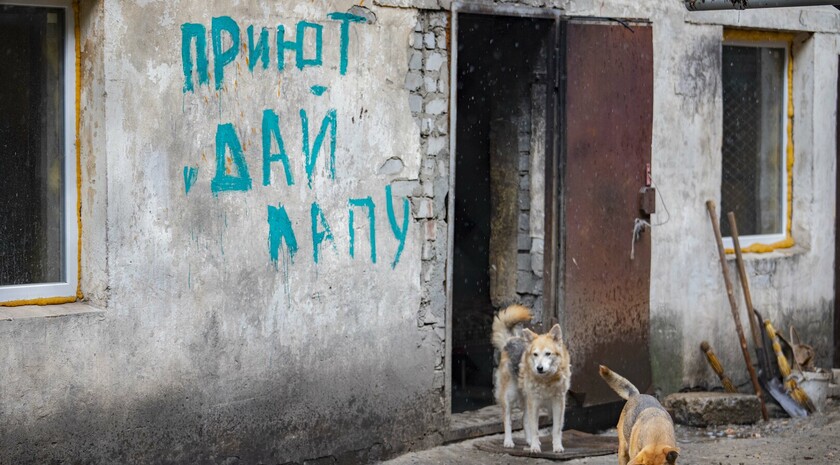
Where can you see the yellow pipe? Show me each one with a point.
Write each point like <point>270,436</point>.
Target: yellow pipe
<point>754,35</point>
<point>77,33</point>
<point>40,301</point>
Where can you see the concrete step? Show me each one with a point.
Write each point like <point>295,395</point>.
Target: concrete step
<point>713,408</point>
<point>483,422</point>
<point>834,384</point>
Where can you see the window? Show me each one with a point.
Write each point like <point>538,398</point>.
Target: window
<point>755,138</point>
<point>38,209</point>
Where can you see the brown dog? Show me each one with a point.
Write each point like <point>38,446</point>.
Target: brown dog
<point>645,429</point>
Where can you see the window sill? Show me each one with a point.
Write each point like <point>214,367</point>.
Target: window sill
<point>779,253</point>
<point>47,311</point>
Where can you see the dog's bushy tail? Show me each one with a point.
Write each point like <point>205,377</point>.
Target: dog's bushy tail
<point>619,384</point>
<point>505,320</point>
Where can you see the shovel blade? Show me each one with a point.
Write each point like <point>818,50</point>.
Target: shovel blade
<point>777,391</point>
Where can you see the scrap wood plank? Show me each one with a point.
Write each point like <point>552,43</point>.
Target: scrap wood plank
<point>577,443</point>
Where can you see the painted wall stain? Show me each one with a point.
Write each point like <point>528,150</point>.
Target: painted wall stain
<point>280,231</point>
<point>364,203</point>
<point>271,130</point>
<point>400,232</point>
<point>319,236</point>
<point>311,153</point>
<point>190,175</point>
<point>226,138</point>
<point>232,173</point>
<point>306,53</point>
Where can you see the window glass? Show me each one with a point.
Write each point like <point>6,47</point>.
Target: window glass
<point>754,170</point>
<point>32,145</point>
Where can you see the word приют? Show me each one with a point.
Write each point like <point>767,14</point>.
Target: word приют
<point>194,37</point>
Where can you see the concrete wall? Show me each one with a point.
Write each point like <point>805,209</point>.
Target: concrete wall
<point>789,286</point>
<point>200,346</point>
<point>209,349</point>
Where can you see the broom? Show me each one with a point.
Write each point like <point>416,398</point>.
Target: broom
<point>784,368</point>
<point>714,362</point>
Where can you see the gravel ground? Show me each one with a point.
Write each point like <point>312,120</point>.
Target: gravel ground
<point>805,441</point>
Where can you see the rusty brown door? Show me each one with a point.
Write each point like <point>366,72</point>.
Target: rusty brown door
<point>608,119</point>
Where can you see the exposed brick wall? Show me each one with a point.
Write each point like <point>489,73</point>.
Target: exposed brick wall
<point>428,84</point>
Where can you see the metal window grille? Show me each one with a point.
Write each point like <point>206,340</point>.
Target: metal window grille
<point>753,168</point>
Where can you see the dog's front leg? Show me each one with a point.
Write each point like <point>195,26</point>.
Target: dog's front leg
<point>532,413</point>
<point>526,424</point>
<point>558,411</point>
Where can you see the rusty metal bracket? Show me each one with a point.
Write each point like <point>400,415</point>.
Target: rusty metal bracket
<point>647,201</point>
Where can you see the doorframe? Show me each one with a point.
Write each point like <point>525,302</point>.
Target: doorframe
<point>836,356</point>
<point>551,156</point>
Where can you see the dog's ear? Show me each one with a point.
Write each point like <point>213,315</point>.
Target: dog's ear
<point>528,335</point>
<point>671,455</point>
<point>644,456</point>
<point>556,333</point>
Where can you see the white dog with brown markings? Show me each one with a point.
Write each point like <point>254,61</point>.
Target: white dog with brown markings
<point>534,370</point>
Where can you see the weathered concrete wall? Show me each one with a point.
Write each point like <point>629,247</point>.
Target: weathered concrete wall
<point>94,147</point>
<point>685,168</point>
<point>790,286</point>
<point>211,350</point>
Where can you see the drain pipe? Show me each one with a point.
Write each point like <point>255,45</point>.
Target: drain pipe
<point>707,5</point>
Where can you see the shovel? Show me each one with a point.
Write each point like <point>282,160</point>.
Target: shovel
<point>771,378</point>
<point>792,386</point>
<point>768,382</point>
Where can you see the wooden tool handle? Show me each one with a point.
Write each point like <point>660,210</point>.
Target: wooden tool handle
<point>710,206</point>
<point>745,288</point>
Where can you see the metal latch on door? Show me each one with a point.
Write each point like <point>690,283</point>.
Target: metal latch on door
<point>647,195</point>
<point>647,207</point>
<point>647,201</point>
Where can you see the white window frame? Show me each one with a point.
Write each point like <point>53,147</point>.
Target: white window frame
<point>70,263</point>
<point>748,240</point>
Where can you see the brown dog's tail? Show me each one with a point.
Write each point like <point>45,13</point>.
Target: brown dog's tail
<point>505,320</point>
<point>620,385</point>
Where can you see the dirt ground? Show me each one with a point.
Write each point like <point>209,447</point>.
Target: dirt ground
<point>807,441</point>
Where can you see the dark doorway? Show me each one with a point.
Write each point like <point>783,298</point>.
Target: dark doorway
<point>553,128</point>
<point>502,96</point>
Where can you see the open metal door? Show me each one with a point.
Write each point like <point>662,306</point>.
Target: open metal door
<point>608,115</point>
